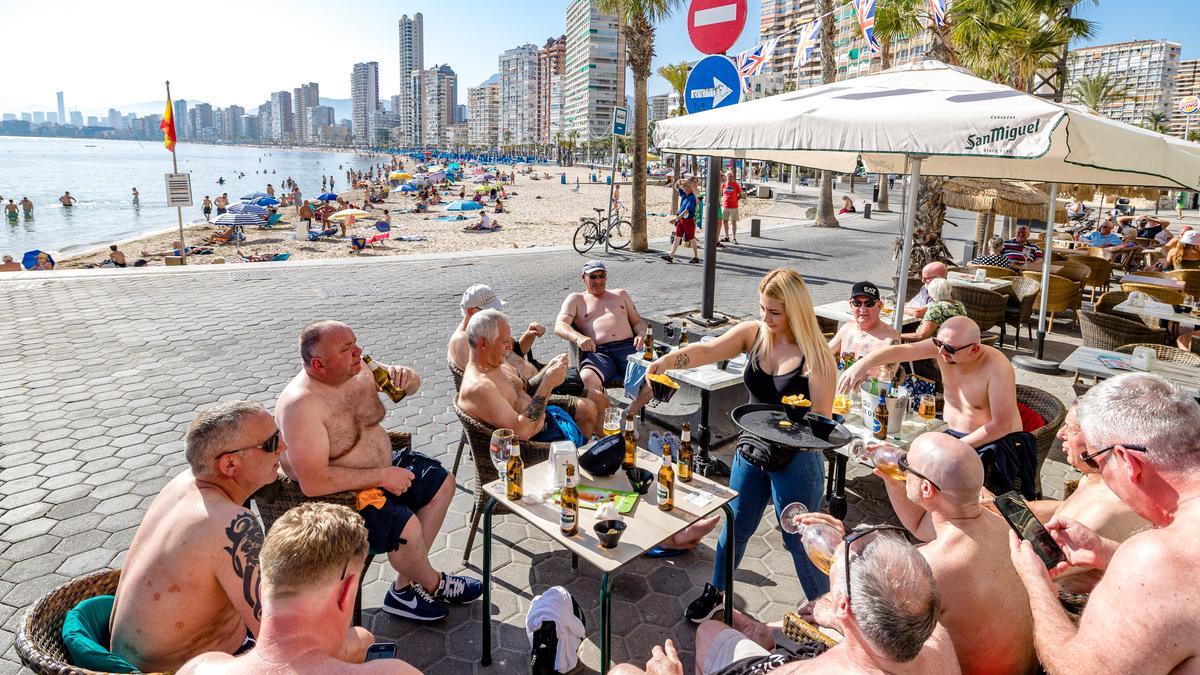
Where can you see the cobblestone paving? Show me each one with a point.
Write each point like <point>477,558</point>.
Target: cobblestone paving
<point>99,377</point>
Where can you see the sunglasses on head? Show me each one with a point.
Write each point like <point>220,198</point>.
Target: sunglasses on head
<point>902,462</point>
<point>951,350</point>
<point>1089,458</point>
<point>597,276</point>
<point>269,446</point>
<point>856,534</point>
<point>863,303</point>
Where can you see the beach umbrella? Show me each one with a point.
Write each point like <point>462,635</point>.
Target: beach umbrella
<point>408,188</point>
<point>463,205</point>
<point>30,258</point>
<point>328,197</point>
<point>400,175</point>
<point>253,196</point>
<point>267,201</point>
<point>244,207</point>
<point>347,213</point>
<point>233,219</point>
<point>453,165</point>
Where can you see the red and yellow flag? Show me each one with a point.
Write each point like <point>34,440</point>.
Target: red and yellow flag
<point>168,127</point>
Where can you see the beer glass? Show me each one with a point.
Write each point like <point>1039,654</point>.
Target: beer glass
<point>820,540</point>
<point>882,456</point>
<point>500,448</point>
<point>842,404</point>
<point>612,421</point>
<point>928,407</point>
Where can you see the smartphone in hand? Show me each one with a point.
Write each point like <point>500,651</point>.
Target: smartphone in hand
<point>381,650</point>
<point>1014,510</point>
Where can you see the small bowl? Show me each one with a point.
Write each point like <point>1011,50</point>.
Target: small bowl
<point>796,413</point>
<point>640,479</point>
<point>662,350</point>
<point>662,391</point>
<point>603,532</point>
<point>821,426</point>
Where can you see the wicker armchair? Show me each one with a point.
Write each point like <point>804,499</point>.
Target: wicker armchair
<point>986,308</point>
<point>1191,281</point>
<point>39,635</point>
<point>1064,294</point>
<point>1099,273</point>
<point>1019,310</point>
<point>1053,411</point>
<point>1107,331</point>
<point>1164,353</point>
<point>479,435</point>
<point>1167,295</point>
<point>993,271</point>
<point>1075,271</point>
<point>457,375</point>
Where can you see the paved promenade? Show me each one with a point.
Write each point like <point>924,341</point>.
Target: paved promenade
<point>101,373</point>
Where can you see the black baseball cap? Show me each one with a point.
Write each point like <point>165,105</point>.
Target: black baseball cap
<point>866,288</point>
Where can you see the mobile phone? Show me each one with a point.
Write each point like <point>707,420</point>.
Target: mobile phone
<point>1028,527</point>
<point>381,650</point>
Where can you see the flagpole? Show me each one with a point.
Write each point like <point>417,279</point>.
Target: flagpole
<point>175,169</point>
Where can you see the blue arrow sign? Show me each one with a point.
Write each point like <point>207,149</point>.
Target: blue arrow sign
<point>713,83</point>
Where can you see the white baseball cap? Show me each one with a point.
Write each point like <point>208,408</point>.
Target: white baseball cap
<point>481,297</point>
<point>1190,237</point>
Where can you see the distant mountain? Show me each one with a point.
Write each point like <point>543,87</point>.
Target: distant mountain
<point>494,79</point>
<point>341,107</point>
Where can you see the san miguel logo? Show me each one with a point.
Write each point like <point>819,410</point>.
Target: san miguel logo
<point>1002,134</point>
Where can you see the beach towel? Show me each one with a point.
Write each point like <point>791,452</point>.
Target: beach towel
<point>412,237</point>
<point>447,219</point>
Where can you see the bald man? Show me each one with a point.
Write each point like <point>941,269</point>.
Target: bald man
<point>967,548</point>
<point>980,400</point>
<point>921,301</point>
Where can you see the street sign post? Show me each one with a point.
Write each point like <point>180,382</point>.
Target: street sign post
<point>714,82</point>
<point>714,25</point>
<point>619,128</point>
<point>620,116</point>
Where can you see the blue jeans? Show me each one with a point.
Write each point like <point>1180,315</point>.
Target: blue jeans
<point>802,481</point>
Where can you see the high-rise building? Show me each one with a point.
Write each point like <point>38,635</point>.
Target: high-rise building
<point>1143,72</point>
<point>304,97</point>
<point>249,126</point>
<point>281,116</point>
<point>93,121</point>
<point>319,117</point>
<point>114,118</point>
<point>364,95</point>
<point>594,73</point>
<point>852,56</point>
<point>62,109</point>
<point>440,87</point>
<point>234,116</point>
<point>460,113</point>
<point>1187,83</point>
<point>204,121</point>
<point>264,121</point>
<point>552,59</point>
<point>51,117</point>
<point>787,16</point>
<point>180,114</point>
<point>412,64</point>
<point>76,118</point>
<point>483,123</point>
<point>660,107</point>
<point>26,117</point>
<point>9,117</point>
<point>518,95</point>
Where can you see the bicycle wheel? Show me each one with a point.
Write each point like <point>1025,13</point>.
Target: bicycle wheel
<point>619,234</point>
<point>585,235</point>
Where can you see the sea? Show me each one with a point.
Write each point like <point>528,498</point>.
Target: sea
<point>101,174</point>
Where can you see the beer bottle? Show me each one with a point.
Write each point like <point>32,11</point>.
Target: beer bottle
<point>648,354</point>
<point>685,453</point>
<point>568,521</point>
<point>666,482</point>
<point>383,380</point>
<point>879,423</point>
<point>630,460</point>
<point>683,338</point>
<point>514,474</point>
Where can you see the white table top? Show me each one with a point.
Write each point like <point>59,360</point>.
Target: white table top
<point>961,279</point>
<point>1158,310</point>
<point>708,377</point>
<point>913,426</point>
<point>646,526</point>
<point>1086,361</point>
<point>1152,281</point>
<point>839,311</point>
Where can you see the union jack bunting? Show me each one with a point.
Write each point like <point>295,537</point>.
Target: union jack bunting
<point>937,10</point>
<point>865,9</point>
<point>750,62</point>
<point>806,43</point>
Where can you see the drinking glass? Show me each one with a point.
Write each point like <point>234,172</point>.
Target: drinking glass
<point>928,407</point>
<point>882,456</point>
<point>612,421</point>
<point>842,404</point>
<point>501,447</point>
<point>819,540</point>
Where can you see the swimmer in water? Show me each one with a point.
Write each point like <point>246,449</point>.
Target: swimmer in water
<point>67,199</point>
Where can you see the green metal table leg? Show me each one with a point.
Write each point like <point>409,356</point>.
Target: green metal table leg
<point>728,563</point>
<point>605,623</point>
<point>486,658</point>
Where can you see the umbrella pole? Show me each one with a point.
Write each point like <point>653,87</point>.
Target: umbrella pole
<point>910,218</point>
<point>1046,256</point>
<point>712,191</point>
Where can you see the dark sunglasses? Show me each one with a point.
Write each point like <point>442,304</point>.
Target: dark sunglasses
<point>597,277</point>
<point>948,348</point>
<point>269,446</point>
<point>858,533</point>
<point>902,462</point>
<point>1089,458</point>
<point>863,303</point>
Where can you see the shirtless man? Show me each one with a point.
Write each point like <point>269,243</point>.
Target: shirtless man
<point>494,395</point>
<point>189,583</point>
<point>980,400</point>
<point>967,548</point>
<point>921,301</point>
<point>311,562</point>
<point>330,413</point>
<point>222,203</point>
<point>607,328</point>
<point>67,199</point>
<point>888,628</point>
<point>116,255</point>
<point>1141,617</point>
<point>27,207</point>
<point>10,210</point>
<point>458,351</point>
<point>866,333</point>
<point>9,265</point>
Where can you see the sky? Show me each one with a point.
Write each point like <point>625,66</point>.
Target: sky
<point>237,52</point>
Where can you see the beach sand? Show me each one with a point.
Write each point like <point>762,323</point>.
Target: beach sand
<point>538,213</point>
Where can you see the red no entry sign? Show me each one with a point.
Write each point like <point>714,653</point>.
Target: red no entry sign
<point>714,25</point>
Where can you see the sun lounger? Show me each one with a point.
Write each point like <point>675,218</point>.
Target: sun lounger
<point>323,234</point>
<point>272,221</point>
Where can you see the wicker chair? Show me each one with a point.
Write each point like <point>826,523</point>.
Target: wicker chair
<point>1019,310</point>
<point>479,435</point>
<point>1156,274</point>
<point>1099,273</point>
<point>1107,331</point>
<point>1076,271</point>
<point>1053,411</point>
<point>986,308</point>
<point>1167,295</point>
<point>1164,353</point>
<point>39,635</point>
<point>1191,281</point>
<point>1064,294</point>
<point>993,271</point>
<point>457,375</point>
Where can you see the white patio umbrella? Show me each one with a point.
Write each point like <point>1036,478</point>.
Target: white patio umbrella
<point>941,120</point>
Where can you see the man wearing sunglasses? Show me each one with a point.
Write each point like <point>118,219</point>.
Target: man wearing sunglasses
<point>1141,617</point>
<point>189,583</point>
<point>980,400</point>
<point>967,548</point>
<point>866,333</point>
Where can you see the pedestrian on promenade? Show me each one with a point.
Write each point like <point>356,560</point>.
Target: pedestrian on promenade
<point>731,197</point>
<point>685,221</point>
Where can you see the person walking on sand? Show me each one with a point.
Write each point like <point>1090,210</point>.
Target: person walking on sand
<point>206,209</point>
<point>27,207</point>
<point>67,199</point>
<point>222,203</point>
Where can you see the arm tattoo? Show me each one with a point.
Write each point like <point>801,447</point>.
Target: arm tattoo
<point>245,543</point>
<point>536,407</point>
<point>681,360</point>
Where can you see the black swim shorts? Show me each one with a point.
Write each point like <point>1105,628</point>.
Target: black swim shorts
<point>609,361</point>
<point>385,526</point>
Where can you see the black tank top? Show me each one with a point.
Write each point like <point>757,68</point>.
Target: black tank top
<point>766,388</point>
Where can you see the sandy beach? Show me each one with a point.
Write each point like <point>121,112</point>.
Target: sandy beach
<point>538,213</point>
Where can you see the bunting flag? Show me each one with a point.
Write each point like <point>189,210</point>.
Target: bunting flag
<point>168,127</point>
<point>806,43</point>
<point>937,10</point>
<point>865,9</point>
<point>750,62</point>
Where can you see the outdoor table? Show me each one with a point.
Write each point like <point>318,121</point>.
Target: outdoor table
<point>1151,255</point>
<point>839,311</point>
<point>1086,361</point>
<point>991,284</point>
<point>1159,310</point>
<point>707,379</point>
<point>645,527</point>
<point>1174,284</point>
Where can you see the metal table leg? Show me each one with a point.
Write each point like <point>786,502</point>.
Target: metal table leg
<point>837,501</point>
<point>705,464</point>
<point>728,563</point>
<point>605,622</point>
<point>486,658</point>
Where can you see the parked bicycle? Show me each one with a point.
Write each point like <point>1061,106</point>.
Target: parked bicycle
<point>591,231</point>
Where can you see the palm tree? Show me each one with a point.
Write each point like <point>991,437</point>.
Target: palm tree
<point>1156,121</point>
<point>1094,91</point>
<point>676,75</point>
<point>637,18</point>
<point>825,215</point>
